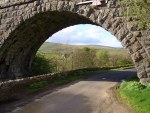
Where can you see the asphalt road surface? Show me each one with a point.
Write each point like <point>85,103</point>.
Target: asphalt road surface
<point>81,96</point>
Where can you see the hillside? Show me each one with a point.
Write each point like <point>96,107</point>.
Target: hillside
<point>56,47</point>
<point>56,50</point>
<point>50,47</point>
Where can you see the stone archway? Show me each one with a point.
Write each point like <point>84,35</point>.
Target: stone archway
<point>19,49</point>
<point>26,25</point>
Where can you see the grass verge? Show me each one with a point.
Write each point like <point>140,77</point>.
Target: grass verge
<point>35,87</point>
<point>123,68</point>
<point>134,94</point>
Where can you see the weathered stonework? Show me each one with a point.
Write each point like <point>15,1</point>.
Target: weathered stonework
<point>26,24</point>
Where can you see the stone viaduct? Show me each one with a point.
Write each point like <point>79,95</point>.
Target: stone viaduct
<point>26,24</point>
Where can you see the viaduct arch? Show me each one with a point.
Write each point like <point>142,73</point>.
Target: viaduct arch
<point>26,24</point>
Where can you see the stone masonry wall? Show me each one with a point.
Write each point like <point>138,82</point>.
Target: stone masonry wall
<point>109,16</point>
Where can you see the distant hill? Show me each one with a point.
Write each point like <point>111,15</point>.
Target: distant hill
<point>56,50</point>
<point>50,47</point>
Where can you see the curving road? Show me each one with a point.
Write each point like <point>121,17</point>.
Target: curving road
<point>82,96</point>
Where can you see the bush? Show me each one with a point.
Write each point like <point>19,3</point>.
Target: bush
<point>40,65</point>
<point>137,9</point>
<point>124,61</point>
<point>132,85</point>
<point>59,77</point>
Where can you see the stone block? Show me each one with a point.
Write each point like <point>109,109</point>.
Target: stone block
<point>53,7</point>
<point>144,81</point>
<point>116,23</point>
<point>3,15</point>
<point>142,51</point>
<point>30,4</point>
<point>36,3</point>
<point>39,9</point>
<point>136,46</point>
<point>87,11</point>
<point>66,7</point>
<point>92,17</point>
<point>43,8</point>
<point>136,56</point>
<point>142,74</point>
<point>144,55</point>
<point>112,30</point>
<point>34,9</point>
<point>60,5</point>
<point>48,6</point>
<point>73,7</point>
<point>1,32</point>
<point>148,75</point>
<point>148,70</point>
<point>125,42</point>
<point>122,32</point>
<point>140,68</point>
<point>137,34</point>
<point>146,63</point>
<point>129,50</point>
<point>133,39</point>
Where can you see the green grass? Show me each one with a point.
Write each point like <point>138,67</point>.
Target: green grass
<point>60,79</point>
<point>134,94</point>
<point>123,68</point>
<point>35,87</point>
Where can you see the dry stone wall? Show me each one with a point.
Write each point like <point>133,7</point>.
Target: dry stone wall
<point>14,13</point>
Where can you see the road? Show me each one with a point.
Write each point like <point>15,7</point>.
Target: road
<point>82,96</point>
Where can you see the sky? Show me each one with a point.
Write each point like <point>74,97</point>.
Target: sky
<point>85,34</point>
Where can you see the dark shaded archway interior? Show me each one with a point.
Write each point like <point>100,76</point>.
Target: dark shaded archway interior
<point>18,51</point>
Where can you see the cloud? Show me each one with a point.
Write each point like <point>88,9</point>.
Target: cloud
<point>85,35</point>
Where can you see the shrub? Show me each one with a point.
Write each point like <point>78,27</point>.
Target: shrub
<point>124,61</point>
<point>59,77</point>
<point>132,85</point>
<point>40,65</point>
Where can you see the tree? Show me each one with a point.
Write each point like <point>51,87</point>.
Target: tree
<point>41,65</point>
<point>138,9</point>
<point>114,57</point>
<point>103,58</point>
<point>86,48</point>
<point>124,61</point>
<point>83,58</point>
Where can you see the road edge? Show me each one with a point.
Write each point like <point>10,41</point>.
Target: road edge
<point>113,97</point>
